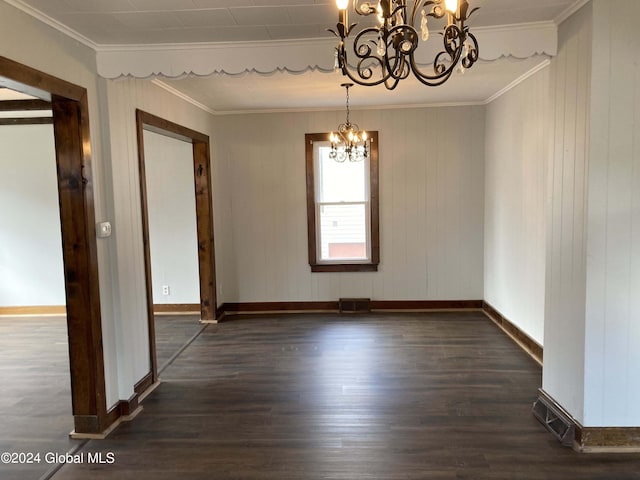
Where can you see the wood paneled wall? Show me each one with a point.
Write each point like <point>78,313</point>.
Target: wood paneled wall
<point>517,154</point>
<point>563,374</point>
<point>612,366</point>
<point>431,206</point>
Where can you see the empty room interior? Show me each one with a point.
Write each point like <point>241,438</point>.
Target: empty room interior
<point>298,239</point>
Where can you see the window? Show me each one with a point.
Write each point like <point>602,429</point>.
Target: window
<point>342,208</point>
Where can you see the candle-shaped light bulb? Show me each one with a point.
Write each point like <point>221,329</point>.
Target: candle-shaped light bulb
<point>342,4</point>
<point>380,13</point>
<point>451,6</point>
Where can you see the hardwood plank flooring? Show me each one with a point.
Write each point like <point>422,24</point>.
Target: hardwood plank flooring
<point>387,397</point>
<point>35,404</point>
<point>173,332</point>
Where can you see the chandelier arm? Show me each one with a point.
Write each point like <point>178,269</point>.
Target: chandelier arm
<point>442,73</point>
<point>474,52</point>
<point>397,64</point>
<point>401,6</point>
<point>365,53</point>
<point>397,39</point>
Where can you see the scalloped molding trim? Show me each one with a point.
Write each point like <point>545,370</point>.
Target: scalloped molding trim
<point>175,61</point>
<point>105,53</point>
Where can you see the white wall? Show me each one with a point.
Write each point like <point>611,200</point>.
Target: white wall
<point>31,267</point>
<point>173,236</point>
<point>564,331</point>
<point>612,366</point>
<point>431,206</point>
<point>516,157</point>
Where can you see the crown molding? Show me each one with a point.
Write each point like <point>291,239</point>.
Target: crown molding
<point>565,14</point>
<point>542,65</point>
<point>358,109</point>
<point>53,23</point>
<point>183,96</point>
<point>155,47</point>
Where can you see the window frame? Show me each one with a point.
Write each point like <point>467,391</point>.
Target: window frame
<point>373,226</point>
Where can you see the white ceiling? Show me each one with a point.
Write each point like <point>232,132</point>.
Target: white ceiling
<point>147,22</point>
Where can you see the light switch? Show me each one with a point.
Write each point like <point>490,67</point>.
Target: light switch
<point>103,229</point>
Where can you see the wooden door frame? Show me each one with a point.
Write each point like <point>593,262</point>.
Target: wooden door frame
<point>77,217</point>
<point>204,218</point>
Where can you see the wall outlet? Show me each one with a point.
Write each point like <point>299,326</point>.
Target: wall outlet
<point>165,290</point>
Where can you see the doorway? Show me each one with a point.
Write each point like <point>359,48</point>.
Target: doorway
<point>69,106</point>
<point>206,306</point>
<point>35,406</point>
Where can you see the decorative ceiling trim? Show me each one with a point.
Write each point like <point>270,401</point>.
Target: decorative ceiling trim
<point>545,63</point>
<point>297,56</point>
<point>577,5</point>
<point>183,96</point>
<point>353,109</point>
<point>53,23</point>
<point>178,60</point>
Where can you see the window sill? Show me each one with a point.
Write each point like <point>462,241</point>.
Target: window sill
<point>344,267</point>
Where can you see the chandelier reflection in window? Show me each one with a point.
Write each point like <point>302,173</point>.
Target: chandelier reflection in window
<point>385,54</point>
<point>348,143</point>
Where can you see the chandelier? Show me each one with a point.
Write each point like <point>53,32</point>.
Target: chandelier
<point>386,53</point>
<point>349,142</point>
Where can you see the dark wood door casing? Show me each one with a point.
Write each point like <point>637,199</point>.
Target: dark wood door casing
<point>75,189</point>
<point>204,217</point>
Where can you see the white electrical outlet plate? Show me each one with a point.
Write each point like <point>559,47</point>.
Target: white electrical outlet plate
<point>165,290</point>
<point>103,229</point>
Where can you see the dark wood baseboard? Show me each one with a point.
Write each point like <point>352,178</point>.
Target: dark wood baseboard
<point>144,384</point>
<point>598,439</point>
<point>240,308</point>
<point>276,307</point>
<point>176,308</point>
<point>26,121</point>
<point>33,310</point>
<point>527,343</point>
<point>424,305</point>
<point>125,410</point>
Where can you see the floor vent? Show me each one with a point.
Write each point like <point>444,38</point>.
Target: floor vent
<point>555,421</point>
<point>355,305</point>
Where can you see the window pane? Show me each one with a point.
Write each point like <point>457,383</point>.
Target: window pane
<point>343,232</point>
<point>340,182</point>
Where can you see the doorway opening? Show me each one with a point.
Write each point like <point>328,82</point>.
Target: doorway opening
<point>70,117</point>
<point>205,309</point>
<point>36,402</point>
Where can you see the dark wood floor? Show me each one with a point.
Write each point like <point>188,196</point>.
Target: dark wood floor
<point>437,396</point>
<point>35,399</point>
<point>173,332</point>
<point>35,403</point>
